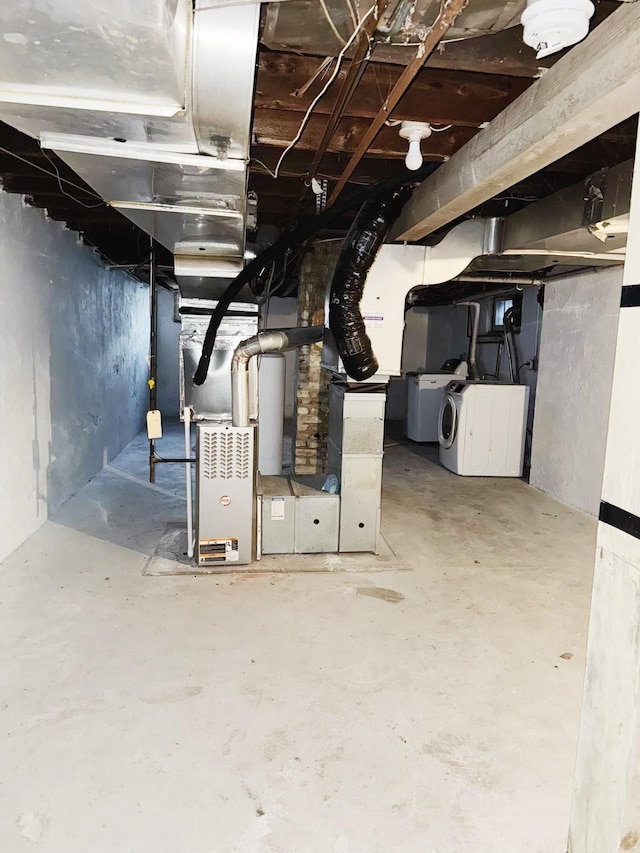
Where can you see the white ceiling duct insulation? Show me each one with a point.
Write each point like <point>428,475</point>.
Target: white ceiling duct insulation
<point>150,103</point>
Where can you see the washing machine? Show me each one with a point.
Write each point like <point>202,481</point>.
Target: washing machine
<point>482,428</point>
<point>425,392</point>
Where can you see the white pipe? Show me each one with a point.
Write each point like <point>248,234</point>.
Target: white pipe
<point>187,472</point>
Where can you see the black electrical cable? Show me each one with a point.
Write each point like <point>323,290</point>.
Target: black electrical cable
<point>288,241</point>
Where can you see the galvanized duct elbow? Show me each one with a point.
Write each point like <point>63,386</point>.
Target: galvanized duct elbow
<point>368,232</point>
<point>277,340</point>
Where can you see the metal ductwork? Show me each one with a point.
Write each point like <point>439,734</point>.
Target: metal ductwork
<point>583,225</point>
<point>150,103</point>
<point>324,28</point>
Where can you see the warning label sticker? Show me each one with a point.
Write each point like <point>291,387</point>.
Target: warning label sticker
<point>219,550</point>
<point>277,509</point>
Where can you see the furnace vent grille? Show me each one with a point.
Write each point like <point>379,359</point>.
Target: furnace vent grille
<point>226,455</point>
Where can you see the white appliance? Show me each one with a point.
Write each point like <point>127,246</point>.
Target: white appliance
<point>425,392</point>
<point>482,427</point>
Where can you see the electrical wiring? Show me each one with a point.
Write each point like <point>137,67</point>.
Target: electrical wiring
<point>264,166</point>
<point>63,191</point>
<point>266,295</point>
<point>353,11</point>
<point>324,89</point>
<point>334,29</point>
<point>47,172</point>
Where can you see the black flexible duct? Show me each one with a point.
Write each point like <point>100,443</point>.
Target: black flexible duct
<point>367,233</point>
<point>293,238</point>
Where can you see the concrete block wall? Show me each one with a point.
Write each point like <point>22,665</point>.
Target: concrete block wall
<point>73,367</point>
<point>312,386</point>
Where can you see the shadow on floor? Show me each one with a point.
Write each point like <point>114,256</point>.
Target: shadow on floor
<point>121,506</point>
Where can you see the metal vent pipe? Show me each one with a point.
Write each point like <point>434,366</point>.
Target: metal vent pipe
<point>473,344</point>
<point>276,340</point>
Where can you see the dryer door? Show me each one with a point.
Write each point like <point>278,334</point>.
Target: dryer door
<point>448,422</point>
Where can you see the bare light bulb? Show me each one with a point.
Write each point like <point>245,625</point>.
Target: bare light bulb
<point>413,160</point>
<point>414,132</point>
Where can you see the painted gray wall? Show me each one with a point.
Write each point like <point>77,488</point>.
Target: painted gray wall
<point>414,351</point>
<point>446,335</point>
<point>168,399</point>
<point>431,336</point>
<point>574,386</point>
<point>73,366</point>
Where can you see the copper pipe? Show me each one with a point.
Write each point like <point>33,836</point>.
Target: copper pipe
<point>449,11</point>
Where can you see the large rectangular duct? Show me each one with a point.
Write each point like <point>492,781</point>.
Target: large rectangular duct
<point>150,103</point>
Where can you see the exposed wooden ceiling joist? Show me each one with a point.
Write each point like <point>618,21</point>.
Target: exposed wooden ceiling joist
<point>440,97</point>
<point>449,11</point>
<point>277,127</point>
<point>595,86</point>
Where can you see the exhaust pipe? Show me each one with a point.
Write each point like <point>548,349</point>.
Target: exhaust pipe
<point>277,340</point>
<point>473,344</point>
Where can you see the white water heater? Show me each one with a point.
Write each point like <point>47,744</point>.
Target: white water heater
<point>271,390</point>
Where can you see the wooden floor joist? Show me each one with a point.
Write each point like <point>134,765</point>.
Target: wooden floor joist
<point>595,86</point>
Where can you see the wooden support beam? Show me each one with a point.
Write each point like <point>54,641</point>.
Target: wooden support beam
<point>370,169</point>
<point>595,86</point>
<point>277,127</point>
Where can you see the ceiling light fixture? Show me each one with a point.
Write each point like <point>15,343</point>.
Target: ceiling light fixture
<point>415,132</point>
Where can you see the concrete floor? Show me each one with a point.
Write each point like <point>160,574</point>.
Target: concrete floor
<point>433,710</point>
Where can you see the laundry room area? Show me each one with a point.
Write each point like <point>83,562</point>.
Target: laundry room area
<point>559,354</point>
<point>319,465</point>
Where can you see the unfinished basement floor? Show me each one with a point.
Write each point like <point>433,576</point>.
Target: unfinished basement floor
<point>432,708</point>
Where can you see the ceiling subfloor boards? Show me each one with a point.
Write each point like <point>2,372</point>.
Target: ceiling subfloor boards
<point>449,11</point>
